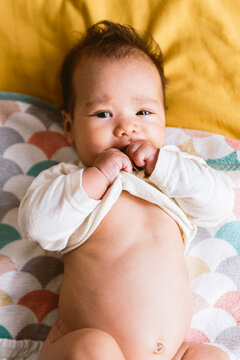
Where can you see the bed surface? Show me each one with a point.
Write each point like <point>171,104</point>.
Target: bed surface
<point>31,139</point>
<point>200,41</point>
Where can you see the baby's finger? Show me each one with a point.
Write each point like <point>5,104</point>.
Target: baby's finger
<point>134,146</point>
<point>133,151</point>
<point>127,164</point>
<point>139,153</point>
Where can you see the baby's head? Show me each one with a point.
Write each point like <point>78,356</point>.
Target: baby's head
<point>114,91</point>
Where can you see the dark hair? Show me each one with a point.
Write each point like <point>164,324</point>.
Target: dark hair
<point>108,39</point>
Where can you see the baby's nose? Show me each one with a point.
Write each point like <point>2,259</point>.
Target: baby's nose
<point>126,127</point>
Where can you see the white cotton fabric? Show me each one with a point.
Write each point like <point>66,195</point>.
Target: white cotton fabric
<point>57,213</point>
<point>20,349</point>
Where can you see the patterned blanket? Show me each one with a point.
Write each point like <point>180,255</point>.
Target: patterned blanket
<point>31,139</point>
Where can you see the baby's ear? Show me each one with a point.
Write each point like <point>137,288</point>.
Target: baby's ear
<point>67,121</point>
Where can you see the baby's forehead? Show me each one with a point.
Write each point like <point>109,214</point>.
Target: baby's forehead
<point>94,77</point>
<point>88,64</point>
<point>86,59</point>
<point>133,69</point>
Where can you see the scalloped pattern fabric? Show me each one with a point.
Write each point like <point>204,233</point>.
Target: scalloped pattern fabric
<point>200,41</point>
<point>31,140</point>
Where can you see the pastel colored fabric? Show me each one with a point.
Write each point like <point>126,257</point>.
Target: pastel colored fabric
<point>200,41</point>
<point>31,139</point>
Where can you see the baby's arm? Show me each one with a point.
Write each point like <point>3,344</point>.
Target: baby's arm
<point>54,205</point>
<point>62,197</point>
<point>203,193</point>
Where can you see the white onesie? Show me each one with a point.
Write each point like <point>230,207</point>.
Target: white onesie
<point>57,213</point>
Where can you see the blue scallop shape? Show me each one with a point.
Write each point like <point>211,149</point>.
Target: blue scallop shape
<point>8,234</point>
<point>228,159</point>
<point>230,232</point>
<point>4,334</point>
<point>226,163</point>
<point>40,166</point>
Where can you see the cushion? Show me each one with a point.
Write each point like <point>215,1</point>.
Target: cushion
<point>199,39</point>
<point>31,140</point>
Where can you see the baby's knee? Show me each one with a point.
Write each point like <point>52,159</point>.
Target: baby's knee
<point>203,351</point>
<point>95,344</point>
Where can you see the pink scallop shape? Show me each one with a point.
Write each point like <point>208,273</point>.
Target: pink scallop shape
<point>196,133</point>
<point>199,303</point>
<point>7,108</point>
<point>236,209</point>
<point>230,302</point>
<point>235,144</point>
<point>6,264</point>
<point>196,336</point>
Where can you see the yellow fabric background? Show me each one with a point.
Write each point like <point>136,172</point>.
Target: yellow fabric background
<point>200,40</point>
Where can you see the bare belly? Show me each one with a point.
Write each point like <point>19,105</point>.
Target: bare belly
<point>129,280</point>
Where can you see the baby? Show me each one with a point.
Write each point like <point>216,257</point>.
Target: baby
<point>123,216</point>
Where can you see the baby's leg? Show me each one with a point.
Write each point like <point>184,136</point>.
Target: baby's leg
<point>81,344</point>
<point>190,351</point>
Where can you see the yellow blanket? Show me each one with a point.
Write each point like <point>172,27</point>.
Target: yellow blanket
<point>200,41</point>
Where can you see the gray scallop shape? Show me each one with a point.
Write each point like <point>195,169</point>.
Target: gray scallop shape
<point>201,235</point>
<point>231,268</point>
<point>8,168</point>
<point>230,338</point>
<point>34,332</point>
<point>51,265</point>
<point>47,116</point>
<point>8,137</point>
<point>8,201</point>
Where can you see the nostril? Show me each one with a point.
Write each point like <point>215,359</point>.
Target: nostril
<point>128,132</point>
<point>126,128</point>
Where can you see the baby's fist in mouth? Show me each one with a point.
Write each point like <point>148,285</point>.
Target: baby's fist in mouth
<point>143,154</point>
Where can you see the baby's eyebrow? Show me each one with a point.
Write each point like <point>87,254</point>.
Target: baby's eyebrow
<point>146,99</point>
<point>107,99</point>
<point>97,101</point>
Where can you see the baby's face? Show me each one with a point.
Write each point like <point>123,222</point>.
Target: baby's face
<point>116,102</point>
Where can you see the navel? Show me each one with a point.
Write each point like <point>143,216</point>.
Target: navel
<point>159,348</point>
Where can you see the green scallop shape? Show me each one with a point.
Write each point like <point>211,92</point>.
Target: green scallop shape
<point>4,334</point>
<point>230,232</point>
<point>40,166</point>
<point>226,163</point>
<point>8,234</point>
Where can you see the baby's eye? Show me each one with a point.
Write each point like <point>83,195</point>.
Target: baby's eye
<point>103,114</point>
<point>144,112</point>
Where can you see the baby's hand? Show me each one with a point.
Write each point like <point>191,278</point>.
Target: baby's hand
<point>110,162</point>
<point>143,154</point>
